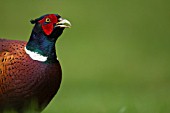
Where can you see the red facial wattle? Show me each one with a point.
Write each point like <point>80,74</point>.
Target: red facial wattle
<point>48,26</point>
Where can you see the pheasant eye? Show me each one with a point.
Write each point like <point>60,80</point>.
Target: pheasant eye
<point>47,20</point>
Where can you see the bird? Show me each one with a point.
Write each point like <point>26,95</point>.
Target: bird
<point>30,72</point>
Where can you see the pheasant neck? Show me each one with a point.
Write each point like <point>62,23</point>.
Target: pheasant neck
<point>41,48</point>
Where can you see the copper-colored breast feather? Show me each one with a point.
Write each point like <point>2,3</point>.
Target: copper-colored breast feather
<point>23,79</point>
<point>6,61</point>
<point>10,54</point>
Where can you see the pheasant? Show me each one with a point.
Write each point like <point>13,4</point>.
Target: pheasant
<point>30,71</point>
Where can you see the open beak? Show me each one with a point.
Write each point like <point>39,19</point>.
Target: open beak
<point>63,23</point>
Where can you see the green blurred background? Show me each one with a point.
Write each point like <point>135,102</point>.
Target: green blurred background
<point>115,58</point>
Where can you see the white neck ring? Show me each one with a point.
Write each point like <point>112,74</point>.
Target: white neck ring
<point>36,55</point>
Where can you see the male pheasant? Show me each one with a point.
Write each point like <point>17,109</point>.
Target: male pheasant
<point>30,71</point>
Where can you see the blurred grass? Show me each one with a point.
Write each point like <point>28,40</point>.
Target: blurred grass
<point>115,58</point>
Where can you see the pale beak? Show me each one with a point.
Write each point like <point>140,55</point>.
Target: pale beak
<point>64,23</point>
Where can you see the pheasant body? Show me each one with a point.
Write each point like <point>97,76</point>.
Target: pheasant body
<point>24,79</point>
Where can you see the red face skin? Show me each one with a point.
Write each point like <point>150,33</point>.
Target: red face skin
<point>48,23</point>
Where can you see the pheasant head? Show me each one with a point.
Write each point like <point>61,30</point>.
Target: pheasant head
<point>46,31</point>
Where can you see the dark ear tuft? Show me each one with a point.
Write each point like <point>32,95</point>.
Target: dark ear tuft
<point>32,21</point>
<point>37,19</point>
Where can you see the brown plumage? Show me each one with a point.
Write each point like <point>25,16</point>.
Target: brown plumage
<point>24,80</point>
